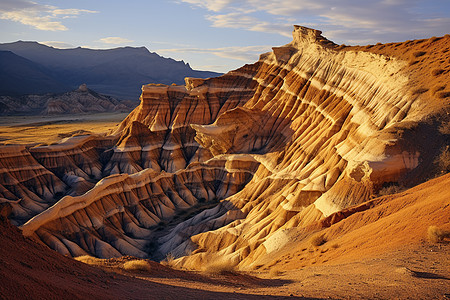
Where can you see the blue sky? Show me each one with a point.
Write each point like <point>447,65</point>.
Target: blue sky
<point>218,35</point>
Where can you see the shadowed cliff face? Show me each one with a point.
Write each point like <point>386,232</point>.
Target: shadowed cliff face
<point>225,165</point>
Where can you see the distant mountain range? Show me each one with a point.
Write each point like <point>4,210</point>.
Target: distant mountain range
<point>33,68</point>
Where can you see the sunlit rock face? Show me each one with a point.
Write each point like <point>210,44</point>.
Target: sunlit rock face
<point>25,184</point>
<point>227,165</point>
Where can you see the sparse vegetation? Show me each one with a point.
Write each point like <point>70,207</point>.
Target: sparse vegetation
<point>90,260</point>
<point>318,240</point>
<point>220,266</point>
<point>390,188</point>
<point>445,127</point>
<point>437,235</point>
<point>137,265</point>
<point>419,53</point>
<point>437,72</point>
<point>437,89</point>
<point>420,91</point>
<point>443,94</point>
<point>434,39</point>
<point>169,261</point>
<point>443,160</point>
<point>275,273</point>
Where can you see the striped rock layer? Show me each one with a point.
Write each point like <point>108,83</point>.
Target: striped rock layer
<point>226,165</point>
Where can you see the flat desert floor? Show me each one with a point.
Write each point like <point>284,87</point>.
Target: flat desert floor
<point>51,129</point>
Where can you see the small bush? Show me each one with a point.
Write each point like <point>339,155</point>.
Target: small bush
<point>437,235</point>
<point>318,240</point>
<point>137,265</point>
<point>438,88</point>
<point>390,188</point>
<point>434,39</point>
<point>220,266</point>
<point>420,91</point>
<point>443,94</point>
<point>445,127</point>
<point>443,160</point>
<point>275,273</point>
<point>436,72</point>
<point>169,261</point>
<point>419,53</point>
<point>90,260</point>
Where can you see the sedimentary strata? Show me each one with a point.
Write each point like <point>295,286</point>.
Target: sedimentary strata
<point>224,165</point>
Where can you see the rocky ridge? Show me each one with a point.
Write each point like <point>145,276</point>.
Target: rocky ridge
<point>309,130</point>
<point>81,100</point>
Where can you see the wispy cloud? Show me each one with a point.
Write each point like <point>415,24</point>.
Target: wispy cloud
<point>247,54</point>
<point>57,44</point>
<point>348,20</point>
<point>243,21</point>
<point>212,5</point>
<point>115,40</point>
<point>39,16</point>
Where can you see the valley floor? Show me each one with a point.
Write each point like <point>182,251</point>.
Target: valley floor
<point>418,272</point>
<point>51,129</point>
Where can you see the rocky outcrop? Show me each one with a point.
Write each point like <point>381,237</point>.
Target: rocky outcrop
<point>25,184</point>
<point>227,165</point>
<point>81,100</point>
<point>119,215</point>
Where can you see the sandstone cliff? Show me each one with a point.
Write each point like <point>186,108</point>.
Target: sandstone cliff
<point>221,166</point>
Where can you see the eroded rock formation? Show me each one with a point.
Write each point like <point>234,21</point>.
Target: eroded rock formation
<point>226,165</point>
<point>81,100</point>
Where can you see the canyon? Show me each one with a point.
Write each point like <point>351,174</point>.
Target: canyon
<point>249,166</point>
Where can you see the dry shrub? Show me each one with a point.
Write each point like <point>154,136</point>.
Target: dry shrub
<point>419,53</point>
<point>438,88</point>
<point>437,235</point>
<point>275,273</point>
<point>445,127</point>
<point>434,39</point>
<point>318,240</point>
<point>137,265</point>
<point>443,94</point>
<point>335,246</point>
<point>390,189</point>
<point>169,261</point>
<point>443,160</point>
<point>437,72</point>
<point>90,260</point>
<point>220,266</point>
<point>420,91</point>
